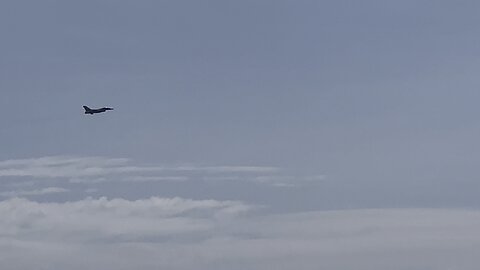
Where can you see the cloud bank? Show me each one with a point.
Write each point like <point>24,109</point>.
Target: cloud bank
<point>176,233</point>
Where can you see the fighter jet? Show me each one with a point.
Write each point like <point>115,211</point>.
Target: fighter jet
<point>93,111</point>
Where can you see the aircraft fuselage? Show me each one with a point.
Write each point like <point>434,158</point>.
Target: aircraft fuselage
<point>93,111</point>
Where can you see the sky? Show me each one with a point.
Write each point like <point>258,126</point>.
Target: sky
<point>245,134</point>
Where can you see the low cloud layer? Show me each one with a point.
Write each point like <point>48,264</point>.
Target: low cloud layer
<point>177,233</point>
<point>180,233</point>
<point>116,219</point>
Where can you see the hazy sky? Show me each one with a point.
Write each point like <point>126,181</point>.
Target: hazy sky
<point>246,134</point>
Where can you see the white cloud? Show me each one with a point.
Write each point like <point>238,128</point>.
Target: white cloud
<point>101,169</point>
<point>156,178</point>
<point>229,169</point>
<point>178,233</point>
<point>131,179</point>
<point>43,191</point>
<point>91,219</point>
<point>61,166</point>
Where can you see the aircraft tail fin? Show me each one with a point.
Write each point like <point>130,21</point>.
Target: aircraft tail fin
<point>87,109</point>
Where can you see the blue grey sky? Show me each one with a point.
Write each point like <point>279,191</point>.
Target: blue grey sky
<point>234,122</point>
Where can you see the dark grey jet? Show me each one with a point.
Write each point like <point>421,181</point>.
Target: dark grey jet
<point>92,111</point>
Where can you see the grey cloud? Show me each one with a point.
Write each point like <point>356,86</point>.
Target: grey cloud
<point>184,234</point>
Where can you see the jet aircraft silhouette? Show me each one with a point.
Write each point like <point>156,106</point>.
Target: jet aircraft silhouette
<point>93,111</point>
